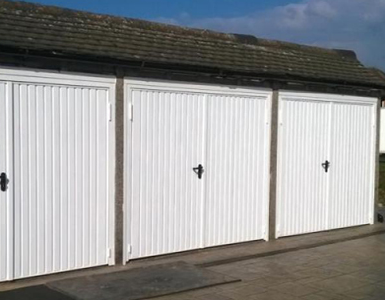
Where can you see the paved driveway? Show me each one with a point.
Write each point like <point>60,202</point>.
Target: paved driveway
<point>347,270</point>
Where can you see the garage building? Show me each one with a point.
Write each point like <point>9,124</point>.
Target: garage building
<point>123,139</point>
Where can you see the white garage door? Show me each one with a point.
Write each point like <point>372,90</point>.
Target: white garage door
<point>56,211</point>
<point>168,141</point>
<point>174,128</point>
<point>326,160</point>
<point>236,203</point>
<point>352,151</point>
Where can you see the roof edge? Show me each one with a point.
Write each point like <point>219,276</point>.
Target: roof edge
<point>185,68</point>
<point>234,37</point>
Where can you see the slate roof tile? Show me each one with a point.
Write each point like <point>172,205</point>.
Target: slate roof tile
<point>28,26</point>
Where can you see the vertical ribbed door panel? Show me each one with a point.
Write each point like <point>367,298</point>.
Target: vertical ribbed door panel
<point>351,169</point>
<point>236,203</point>
<point>173,128</point>
<point>326,162</point>
<point>168,141</point>
<point>303,145</point>
<point>61,178</point>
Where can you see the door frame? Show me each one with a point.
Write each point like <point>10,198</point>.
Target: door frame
<point>9,194</point>
<point>132,83</point>
<point>330,98</point>
<point>13,75</point>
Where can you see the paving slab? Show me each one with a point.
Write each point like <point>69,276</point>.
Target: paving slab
<point>296,243</point>
<point>241,253</point>
<point>340,284</point>
<point>326,295</point>
<point>141,283</point>
<point>294,275</point>
<point>39,292</point>
<point>367,291</point>
<point>295,289</point>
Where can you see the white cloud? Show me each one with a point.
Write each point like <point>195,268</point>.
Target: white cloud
<point>348,24</point>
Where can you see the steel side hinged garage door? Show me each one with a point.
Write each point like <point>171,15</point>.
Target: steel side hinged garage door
<point>55,198</point>
<point>197,170</point>
<point>326,162</point>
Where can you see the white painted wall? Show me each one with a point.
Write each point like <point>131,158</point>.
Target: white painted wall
<point>58,212</point>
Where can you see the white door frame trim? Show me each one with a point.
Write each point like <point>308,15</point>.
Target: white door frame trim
<point>303,96</point>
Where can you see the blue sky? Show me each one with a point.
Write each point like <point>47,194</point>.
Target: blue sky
<point>358,25</point>
<point>153,9</point>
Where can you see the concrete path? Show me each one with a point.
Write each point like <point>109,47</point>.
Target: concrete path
<point>342,264</point>
<point>347,270</point>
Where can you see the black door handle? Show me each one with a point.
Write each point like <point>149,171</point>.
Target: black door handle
<point>326,165</point>
<point>3,182</point>
<point>199,171</point>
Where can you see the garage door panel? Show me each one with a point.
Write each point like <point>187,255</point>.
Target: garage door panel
<point>351,172</point>
<point>302,182</point>
<point>167,137</point>
<point>237,169</point>
<point>314,129</point>
<point>61,169</point>
<point>174,129</point>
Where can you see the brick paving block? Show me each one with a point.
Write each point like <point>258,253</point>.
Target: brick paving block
<point>250,289</point>
<point>339,284</point>
<point>295,289</point>
<point>368,291</point>
<point>325,296</point>
<point>213,297</point>
<point>272,295</point>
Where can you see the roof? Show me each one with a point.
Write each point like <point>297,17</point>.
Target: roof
<point>380,73</point>
<point>64,32</point>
